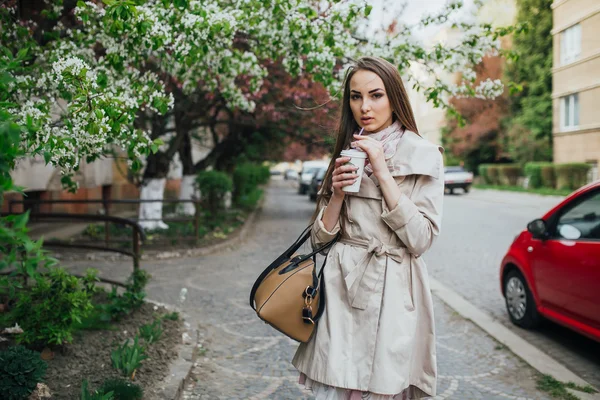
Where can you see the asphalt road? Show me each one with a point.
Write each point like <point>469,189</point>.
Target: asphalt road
<point>477,229</point>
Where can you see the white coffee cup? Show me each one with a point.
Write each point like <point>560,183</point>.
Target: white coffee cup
<point>357,158</point>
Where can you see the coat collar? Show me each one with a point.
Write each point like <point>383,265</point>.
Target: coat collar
<point>414,156</point>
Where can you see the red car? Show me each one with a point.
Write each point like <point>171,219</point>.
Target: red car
<point>552,269</point>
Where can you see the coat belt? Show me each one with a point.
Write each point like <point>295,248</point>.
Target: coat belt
<point>362,279</point>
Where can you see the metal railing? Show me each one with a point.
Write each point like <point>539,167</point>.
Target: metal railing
<point>138,237</point>
<point>106,209</point>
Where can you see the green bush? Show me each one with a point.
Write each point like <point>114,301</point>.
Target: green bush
<point>482,169</point>
<point>264,174</point>
<point>130,300</point>
<point>493,173</point>
<point>548,176</point>
<point>450,160</point>
<point>533,171</point>
<point>19,252</point>
<point>20,371</point>
<point>48,312</point>
<point>122,389</point>
<point>214,185</point>
<point>571,176</point>
<point>250,200</point>
<point>509,174</point>
<point>246,178</point>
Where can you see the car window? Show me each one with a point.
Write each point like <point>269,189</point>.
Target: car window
<point>454,169</point>
<point>581,221</point>
<point>321,173</point>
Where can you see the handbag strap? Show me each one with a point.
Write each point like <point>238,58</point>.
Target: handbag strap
<point>286,256</point>
<point>321,287</point>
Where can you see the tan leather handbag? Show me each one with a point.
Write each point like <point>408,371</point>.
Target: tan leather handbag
<point>288,291</point>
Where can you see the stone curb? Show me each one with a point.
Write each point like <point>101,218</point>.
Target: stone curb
<point>519,346</point>
<point>171,388</point>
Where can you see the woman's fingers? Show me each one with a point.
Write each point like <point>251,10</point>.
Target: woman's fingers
<point>344,169</point>
<point>341,160</point>
<point>344,177</point>
<point>341,184</point>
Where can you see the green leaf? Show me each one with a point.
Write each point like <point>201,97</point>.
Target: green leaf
<point>368,10</point>
<point>21,220</point>
<point>136,165</point>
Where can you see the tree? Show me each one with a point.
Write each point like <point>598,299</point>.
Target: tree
<point>530,123</point>
<point>481,139</point>
<point>139,74</point>
<point>288,110</point>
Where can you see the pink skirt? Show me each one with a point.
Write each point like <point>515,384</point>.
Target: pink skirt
<point>325,392</point>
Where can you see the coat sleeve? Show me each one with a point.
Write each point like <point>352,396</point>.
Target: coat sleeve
<point>417,220</point>
<point>319,235</point>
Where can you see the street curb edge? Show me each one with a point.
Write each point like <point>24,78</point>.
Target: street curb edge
<point>172,386</point>
<point>533,356</point>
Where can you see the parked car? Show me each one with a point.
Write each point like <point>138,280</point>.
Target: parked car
<point>316,182</point>
<point>457,177</point>
<point>308,170</point>
<point>290,174</point>
<point>552,269</point>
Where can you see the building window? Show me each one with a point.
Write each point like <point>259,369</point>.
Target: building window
<point>570,44</point>
<point>569,111</point>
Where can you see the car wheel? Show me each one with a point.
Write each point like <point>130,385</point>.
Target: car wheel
<point>451,190</point>
<point>313,197</point>
<point>466,189</point>
<point>302,189</point>
<point>519,301</point>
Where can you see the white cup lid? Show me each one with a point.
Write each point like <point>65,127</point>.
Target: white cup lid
<point>353,153</point>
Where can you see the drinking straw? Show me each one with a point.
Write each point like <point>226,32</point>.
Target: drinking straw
<point>361,131</point>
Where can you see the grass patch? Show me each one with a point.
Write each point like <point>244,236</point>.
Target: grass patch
<point>542,191</point>
<point>174,316</point>
<point>211,226</point>
<point>558,389</point>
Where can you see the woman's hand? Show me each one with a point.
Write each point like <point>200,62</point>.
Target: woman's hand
<point>375,153</point>
<point>343,175</point>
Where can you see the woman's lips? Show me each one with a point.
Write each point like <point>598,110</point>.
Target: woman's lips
<point>366,120</point>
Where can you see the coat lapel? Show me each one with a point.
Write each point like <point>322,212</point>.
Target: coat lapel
<point>416,156</point>
<point>369,188</point>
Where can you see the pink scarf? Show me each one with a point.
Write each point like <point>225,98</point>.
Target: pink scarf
<point>389,138</point>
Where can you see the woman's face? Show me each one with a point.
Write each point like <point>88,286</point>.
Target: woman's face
<point>369,102</point>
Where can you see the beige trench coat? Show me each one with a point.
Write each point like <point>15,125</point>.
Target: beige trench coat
<point>377,332</point>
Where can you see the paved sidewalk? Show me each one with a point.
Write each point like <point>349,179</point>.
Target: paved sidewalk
<point>246,359</point>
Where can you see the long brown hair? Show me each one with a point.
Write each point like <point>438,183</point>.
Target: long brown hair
<point>399,102</point>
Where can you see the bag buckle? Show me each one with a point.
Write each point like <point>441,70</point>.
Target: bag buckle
<point>309,295</point>
<point>309,292</point>
<point>307,315</point>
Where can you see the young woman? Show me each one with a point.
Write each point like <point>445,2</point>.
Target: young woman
<point>376,338</point>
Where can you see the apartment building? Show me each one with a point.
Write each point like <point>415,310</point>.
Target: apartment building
<point>576,82</point>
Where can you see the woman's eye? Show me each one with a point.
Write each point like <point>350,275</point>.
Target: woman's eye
<point>377,95</point>
<point>355,97</point>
